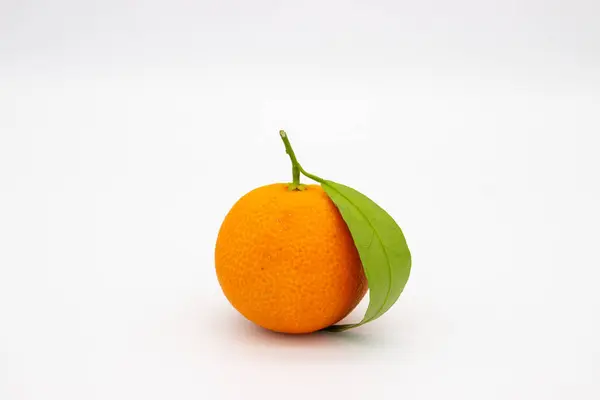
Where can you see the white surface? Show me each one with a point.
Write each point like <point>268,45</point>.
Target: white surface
<point>128,129</point>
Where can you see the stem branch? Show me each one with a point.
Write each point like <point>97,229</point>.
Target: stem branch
<point>296,167</point>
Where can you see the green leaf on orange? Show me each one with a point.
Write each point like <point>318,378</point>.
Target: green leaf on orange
<point>381,245</point>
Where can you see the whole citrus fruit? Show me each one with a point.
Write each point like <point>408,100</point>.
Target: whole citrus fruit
<point>286,261</point>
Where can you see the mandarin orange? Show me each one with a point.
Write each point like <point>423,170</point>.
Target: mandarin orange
<point>286,261</point>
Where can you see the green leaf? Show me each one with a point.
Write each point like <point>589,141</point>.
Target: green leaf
<point>381,245</point>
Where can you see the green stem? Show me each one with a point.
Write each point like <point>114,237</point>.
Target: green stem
<point>296,167</point>
<point>290,152</point>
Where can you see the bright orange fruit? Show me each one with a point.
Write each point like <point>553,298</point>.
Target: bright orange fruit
<point>286,260</point>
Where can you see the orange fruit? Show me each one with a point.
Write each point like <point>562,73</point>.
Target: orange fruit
<point>286,260</point>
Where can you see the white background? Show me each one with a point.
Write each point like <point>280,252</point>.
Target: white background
<point>129,128</point>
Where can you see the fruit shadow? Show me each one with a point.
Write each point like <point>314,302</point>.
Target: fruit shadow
<point>250,333</point>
